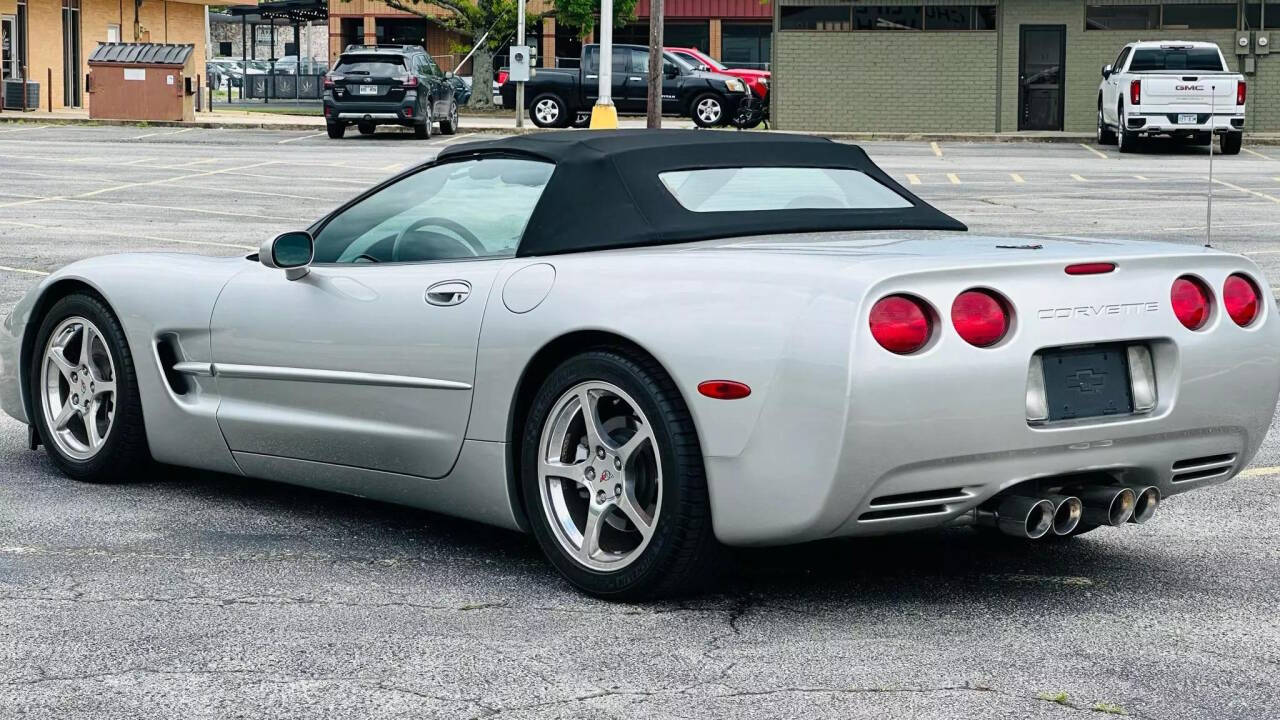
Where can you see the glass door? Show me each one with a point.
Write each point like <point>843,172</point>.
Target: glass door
<point>71,53</point>
<point>1041,57</point>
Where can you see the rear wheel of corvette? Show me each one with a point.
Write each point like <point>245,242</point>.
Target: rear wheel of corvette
<point>613,480</point>
<point>85,393</point>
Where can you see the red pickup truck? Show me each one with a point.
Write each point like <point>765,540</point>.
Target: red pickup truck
<point>757,80</point>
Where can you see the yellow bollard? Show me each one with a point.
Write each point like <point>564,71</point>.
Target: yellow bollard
<point>604,117</point>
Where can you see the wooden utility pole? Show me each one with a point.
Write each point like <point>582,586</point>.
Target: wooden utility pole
<point>656,65</point>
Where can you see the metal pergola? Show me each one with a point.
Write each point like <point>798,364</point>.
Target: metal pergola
<point>281,13</point>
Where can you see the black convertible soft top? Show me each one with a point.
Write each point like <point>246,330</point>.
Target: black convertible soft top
<point>605,191</point>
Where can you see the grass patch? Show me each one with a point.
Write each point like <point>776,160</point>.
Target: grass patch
<point>1109,709</point>
<point>1058,697</point>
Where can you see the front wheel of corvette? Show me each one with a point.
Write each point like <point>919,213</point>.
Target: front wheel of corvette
<point>613,479</point>
<point>85,393</point>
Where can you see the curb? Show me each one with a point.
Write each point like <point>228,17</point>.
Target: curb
<point>1266,139</point>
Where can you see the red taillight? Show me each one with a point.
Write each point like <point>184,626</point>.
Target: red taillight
<point>900,324</point>
<point>1241,298</point>
<point>1190,300</point>
<point>328,82</point>
<point>408,112</point>
<point>1096,268</point>
<point>980,317</point>
<point>502,77</point>
<point>1242,91</point>
<point>410,82</point>
<point>1135,92</point>
<point>724,389</point>
<point>326,111</point>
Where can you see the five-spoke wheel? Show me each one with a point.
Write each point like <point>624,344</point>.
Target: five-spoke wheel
<point>85,394</point>
<point>600,475</point>
<point>612,477</point>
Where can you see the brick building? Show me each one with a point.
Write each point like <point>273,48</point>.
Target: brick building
<point>58,36</point>
<point>1000,65</point>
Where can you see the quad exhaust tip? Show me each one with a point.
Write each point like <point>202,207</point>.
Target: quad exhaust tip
<point>1067,511</point>
<point>1145,502</point>
<point>1025,517</point>
<point>1111,505</point>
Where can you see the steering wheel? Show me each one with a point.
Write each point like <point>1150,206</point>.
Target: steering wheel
<point>464,237</point>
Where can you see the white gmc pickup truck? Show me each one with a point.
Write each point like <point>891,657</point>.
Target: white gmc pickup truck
<point>1180,89</point>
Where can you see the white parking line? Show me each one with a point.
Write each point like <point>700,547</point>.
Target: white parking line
<point>1255,193</point>
<point>6,268</point>
<point>172,179</point>
<point>937,149</point>
<point>304,137</point>
<point>20,129</point>
<point>155,134</point>
<point>1078,178</point>
<point>238,213</point>
<point>1140,177</point>
<point>953,178</point>
<point>1255,152</point>
<point>913,179</point>
<point>1094,151</point>
<point>133,236</point>
<point>1017,178</point>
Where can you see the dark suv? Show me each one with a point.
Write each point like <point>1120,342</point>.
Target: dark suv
<point>388,85</point>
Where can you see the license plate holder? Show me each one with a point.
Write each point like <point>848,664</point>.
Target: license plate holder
<point>1188,119</point>
<point>367,90</point>
<point>1087,382</point>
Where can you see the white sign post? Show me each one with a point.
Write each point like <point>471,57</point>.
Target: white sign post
<point>604,116</point>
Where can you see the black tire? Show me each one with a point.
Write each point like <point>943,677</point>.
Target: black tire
<point>705,119</point>
<point>124,454</point>
<point>554,115</point>
<point>681,552</point>
<point>1203,139</point>
<point>367,128</point>
<point>1127,140</point>
<point>1232,142</point>
<point>582,119</point>
<point>422,130</point>
<point>1106,135</point>
<point>336,130</point>
<point>449,125</point>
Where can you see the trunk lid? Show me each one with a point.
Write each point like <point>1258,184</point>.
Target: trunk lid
<point>371,77</point>
<point>1189,91</point>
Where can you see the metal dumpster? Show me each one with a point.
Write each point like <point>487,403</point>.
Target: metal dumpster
<point>142,81</point>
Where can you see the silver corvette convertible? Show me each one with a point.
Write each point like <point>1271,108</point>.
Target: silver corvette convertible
<point>643,346</point>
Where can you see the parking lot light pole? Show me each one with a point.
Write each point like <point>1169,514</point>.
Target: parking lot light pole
<point>604,116</point>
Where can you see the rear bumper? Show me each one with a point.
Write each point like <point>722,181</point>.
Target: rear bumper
<point>916,441</point>
<point>401,113</point>
<point>1160,123</point>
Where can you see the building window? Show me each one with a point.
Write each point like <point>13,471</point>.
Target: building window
<point>1122,17</point>
<point>960,17</point>
<point>745,45</point>
<point>225,49</point>
<point>687,34</point>
<point>1253,16</point>
<point>1202,16</point>
<point>352,31</point>
<point>816,17</point>
<point>113,33</point>
<point>888,17</point>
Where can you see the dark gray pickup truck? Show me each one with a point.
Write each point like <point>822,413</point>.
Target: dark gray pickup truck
<point>560,97</point>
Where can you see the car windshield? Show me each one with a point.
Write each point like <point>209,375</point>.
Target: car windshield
<point>456,210</point>
<point>709,62</point>
<point>381,65</point>
<point>1176,58</point>
<point>778,188</point>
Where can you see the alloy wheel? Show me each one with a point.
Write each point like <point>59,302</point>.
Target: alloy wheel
<point>78,382</point>
<point>709,111</point>
<point>547,111</point>
<point>600,476</point>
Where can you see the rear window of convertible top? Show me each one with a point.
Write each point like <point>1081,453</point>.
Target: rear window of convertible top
<point>746,189</point>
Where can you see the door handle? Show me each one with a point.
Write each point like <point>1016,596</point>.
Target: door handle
<point>634,78</point>
<point>449,292</point>
<point>592,77</point>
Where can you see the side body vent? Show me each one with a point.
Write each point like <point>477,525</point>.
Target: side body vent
<point>169,355</point>
<point>914,504</point>
<point>1203,468</point>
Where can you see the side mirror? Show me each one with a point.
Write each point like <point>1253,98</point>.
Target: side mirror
<point>671,71</point>
<point>1106,72</point>
<point>448,75</point>
<point>704,68</point>
<point>291,252</point>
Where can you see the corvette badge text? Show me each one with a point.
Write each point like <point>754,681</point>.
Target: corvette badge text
<point>1089,311</point>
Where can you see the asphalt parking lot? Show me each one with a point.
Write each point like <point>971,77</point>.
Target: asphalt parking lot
<point>206,596</point>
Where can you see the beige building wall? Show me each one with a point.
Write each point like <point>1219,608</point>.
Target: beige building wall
<point>160,21</point>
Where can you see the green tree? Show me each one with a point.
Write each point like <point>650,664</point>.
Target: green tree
<point>472,19</point>
<point>581,14</point>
